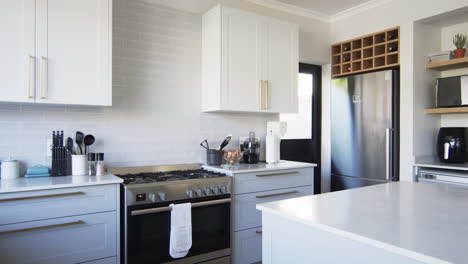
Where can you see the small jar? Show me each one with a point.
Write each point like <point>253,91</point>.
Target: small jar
<point>100,169</point>
<point>92,164</point>
<point>9,169</point>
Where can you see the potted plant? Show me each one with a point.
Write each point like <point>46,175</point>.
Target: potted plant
<point>459,40</point>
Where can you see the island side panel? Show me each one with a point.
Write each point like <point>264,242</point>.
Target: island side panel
<point>286,241</point>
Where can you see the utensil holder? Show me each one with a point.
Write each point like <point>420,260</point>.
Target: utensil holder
<point>213,157</point>
<point>79,165</point>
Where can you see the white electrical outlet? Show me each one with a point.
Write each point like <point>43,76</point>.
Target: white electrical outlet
<point>49,147</point>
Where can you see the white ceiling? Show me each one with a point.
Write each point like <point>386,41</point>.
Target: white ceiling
<point>325,10</point>
<point>326,7</point>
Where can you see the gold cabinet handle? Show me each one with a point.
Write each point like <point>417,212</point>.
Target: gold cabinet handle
<point>41,227</point>
<point>258,232</point>
<point>41,196</point>
<point>267,101</point>
<point>277,174</point>
<point>276,194</point>
<point>31,61</point>
<point>261,94</point>
<point>42,79</point>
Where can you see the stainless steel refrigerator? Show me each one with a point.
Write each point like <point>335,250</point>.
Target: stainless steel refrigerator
<point>364,129</point>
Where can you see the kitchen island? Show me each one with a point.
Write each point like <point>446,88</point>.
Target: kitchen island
<point>400,222</point>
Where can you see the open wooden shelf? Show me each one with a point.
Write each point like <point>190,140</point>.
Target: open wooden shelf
<point>367,53</point>
<point>447,110</point>
<point>448,65</point>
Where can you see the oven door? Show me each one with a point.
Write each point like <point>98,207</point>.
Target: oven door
<point>148,232</point>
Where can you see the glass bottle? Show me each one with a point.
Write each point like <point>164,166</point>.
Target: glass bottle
<point>92,164</point>
<point>100,170</point>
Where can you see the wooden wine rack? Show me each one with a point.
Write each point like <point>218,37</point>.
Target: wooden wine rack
<point>376,51</point>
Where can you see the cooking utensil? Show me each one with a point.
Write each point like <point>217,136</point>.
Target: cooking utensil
<point>79,140</point>
<point>205,145</point>
<point>88,141</point>
<point>225,142</point>
<point>70,145</point>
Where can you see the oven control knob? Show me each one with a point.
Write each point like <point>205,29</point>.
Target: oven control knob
<point>215,190</point>
<point>207,191</point>
<point>223,189</point>
<point>198,192</point>
<point>162,196</point>
<point>152,197</point>
<point>189,193</point>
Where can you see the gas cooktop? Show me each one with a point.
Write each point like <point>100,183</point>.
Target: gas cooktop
<point>179,175</point>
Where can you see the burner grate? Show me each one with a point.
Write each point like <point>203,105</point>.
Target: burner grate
<point>151,177</point>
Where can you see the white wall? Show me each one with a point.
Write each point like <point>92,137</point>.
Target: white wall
<point>155,117</point>
<point>401,13</point>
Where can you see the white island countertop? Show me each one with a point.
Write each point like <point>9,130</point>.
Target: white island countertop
<point>425,222</point>
<point>261,166</point>
<point>43,183</point>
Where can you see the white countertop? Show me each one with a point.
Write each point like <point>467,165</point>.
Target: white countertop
<point>426,222</point>
<point>43,183</point>
<point>433,162</point>
<point>261,166</point>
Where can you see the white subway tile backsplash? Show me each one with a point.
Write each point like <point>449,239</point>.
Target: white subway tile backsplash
<point>156,114</point>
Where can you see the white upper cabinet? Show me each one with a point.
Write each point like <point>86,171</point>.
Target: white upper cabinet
<point>64,51</point>
<point>249,62</point>
<point>17,21</point>
<point>282,67</point>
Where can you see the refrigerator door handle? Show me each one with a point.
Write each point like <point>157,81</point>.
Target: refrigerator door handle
<point>389,154</point>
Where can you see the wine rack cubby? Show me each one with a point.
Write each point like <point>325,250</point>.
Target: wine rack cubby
<point>367,53</point>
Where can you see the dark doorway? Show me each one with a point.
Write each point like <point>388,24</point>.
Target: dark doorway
<point>305,146</point>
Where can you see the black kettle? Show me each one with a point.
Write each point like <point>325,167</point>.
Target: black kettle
<point>451,145</point>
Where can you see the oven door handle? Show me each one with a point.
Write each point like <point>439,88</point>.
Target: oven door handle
<point>168,208</point>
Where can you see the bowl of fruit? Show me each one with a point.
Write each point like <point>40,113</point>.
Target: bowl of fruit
<point>232,157</point>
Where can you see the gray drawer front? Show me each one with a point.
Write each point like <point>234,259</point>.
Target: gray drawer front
<point>271,180</point>
<point>247,246</point>
<point>47,204</point>
<point>63,240</point>
<point>244,213</point>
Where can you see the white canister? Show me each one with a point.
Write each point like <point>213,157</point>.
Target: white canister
<point>9,169</point>
<point>79,165</point>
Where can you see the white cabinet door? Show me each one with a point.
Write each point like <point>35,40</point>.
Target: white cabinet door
<point>240,61</point>
<point>74,52</point>
<point>282,67</point>
<point>17,50</point>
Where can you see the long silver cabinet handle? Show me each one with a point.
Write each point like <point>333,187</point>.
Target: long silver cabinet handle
<point>277,174</point>
<point>275,194</point>
<point>43,79</point>
<point>30,65</point>
<point>168,208</point>
<point>41,227</point>
<point>41,196</point>
<point>267,101</point>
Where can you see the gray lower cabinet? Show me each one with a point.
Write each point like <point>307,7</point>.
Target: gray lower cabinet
<point>79,235</point>
<point>251,189</point>
<point>111,260</point>
<point>247,245</point>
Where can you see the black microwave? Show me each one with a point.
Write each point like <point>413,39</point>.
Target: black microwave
<point>452,91</point>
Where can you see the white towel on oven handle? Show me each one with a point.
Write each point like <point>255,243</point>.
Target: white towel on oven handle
<point>181,230</point>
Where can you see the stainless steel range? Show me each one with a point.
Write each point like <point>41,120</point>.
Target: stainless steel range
<point>147,193</point>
